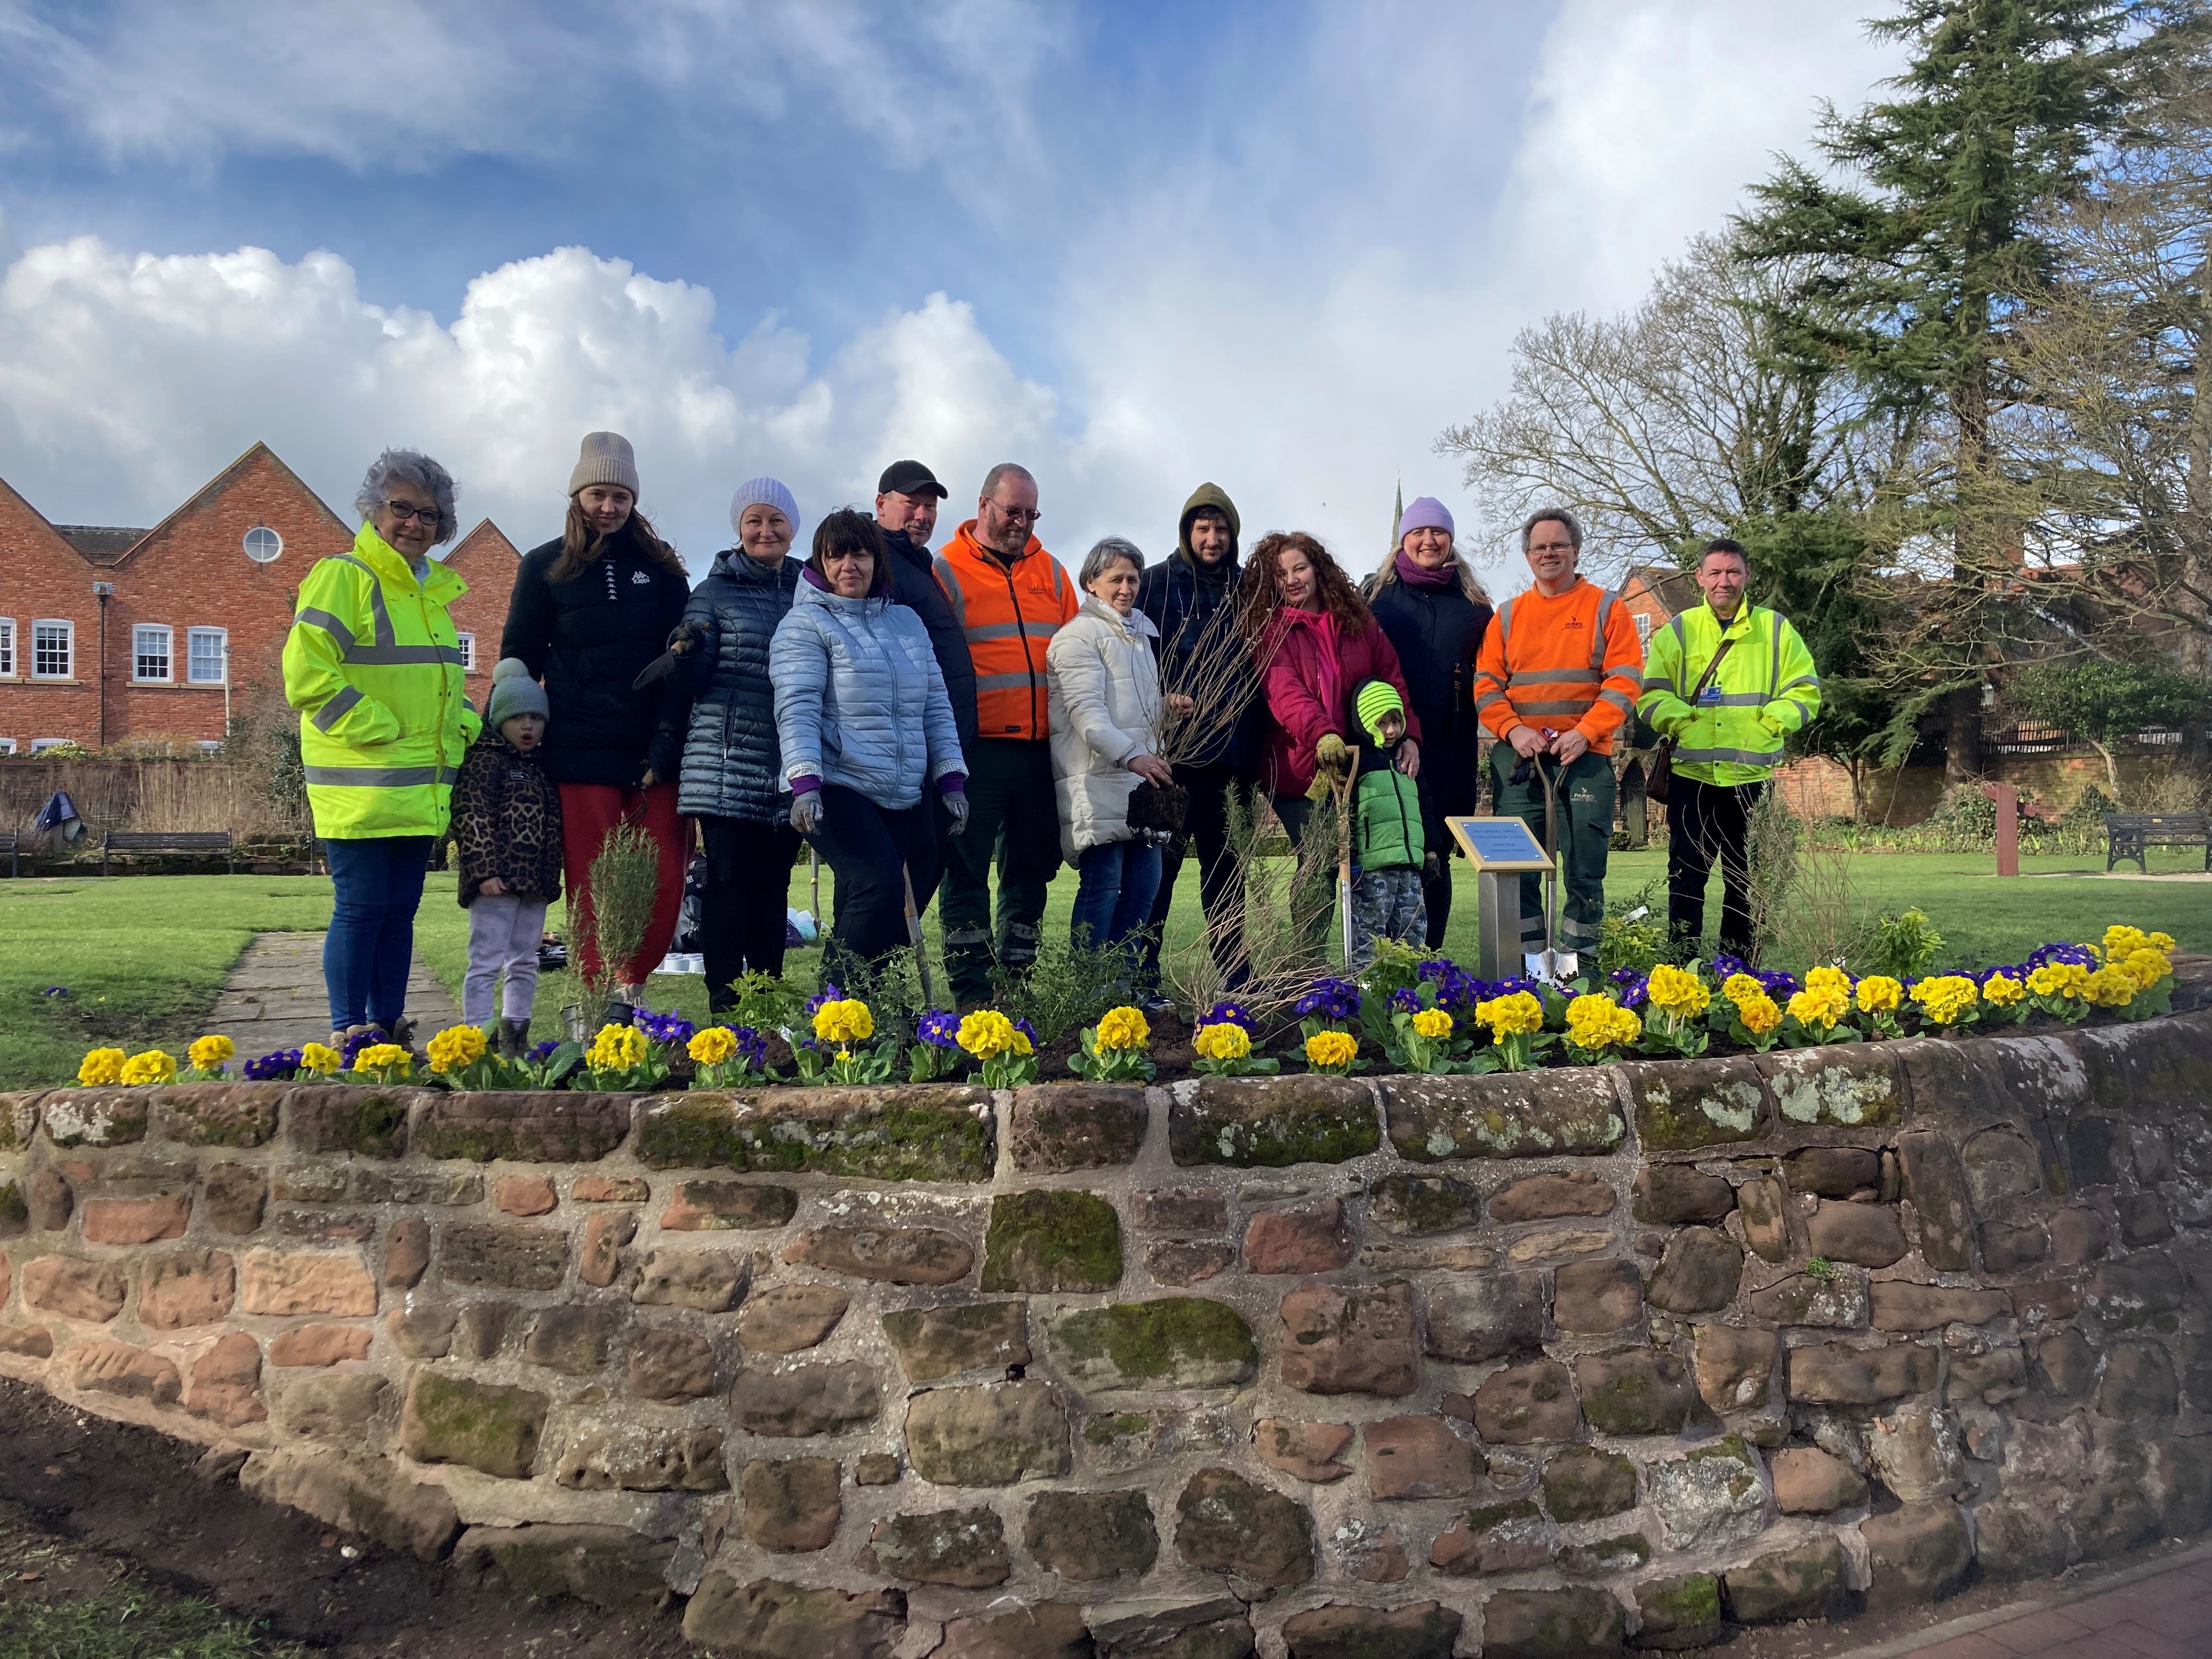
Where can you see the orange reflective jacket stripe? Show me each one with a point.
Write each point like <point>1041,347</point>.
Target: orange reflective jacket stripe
<point>1009,613</point>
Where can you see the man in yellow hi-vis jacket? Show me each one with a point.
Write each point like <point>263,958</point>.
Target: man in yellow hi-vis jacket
<point>1729,736</point>
<point>374,667</point>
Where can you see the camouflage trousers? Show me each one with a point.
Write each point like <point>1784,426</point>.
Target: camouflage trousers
<point>1386,904</point>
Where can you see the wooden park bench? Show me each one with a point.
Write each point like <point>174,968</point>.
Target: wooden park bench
<point>169,840</point>
<point>2127,835</point>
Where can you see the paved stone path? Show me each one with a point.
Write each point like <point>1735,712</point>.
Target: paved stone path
<point>2159,1612</point>
<point>274,998</point>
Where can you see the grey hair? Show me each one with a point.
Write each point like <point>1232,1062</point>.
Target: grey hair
<point>1551,515</point>
<point>1104,552</point>
<point>1005,470</point>
<point>410,466</point>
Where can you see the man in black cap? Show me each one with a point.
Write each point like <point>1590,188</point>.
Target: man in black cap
<point>906,512</point>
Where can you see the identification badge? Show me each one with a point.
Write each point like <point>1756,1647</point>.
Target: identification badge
<point>1710,696</point>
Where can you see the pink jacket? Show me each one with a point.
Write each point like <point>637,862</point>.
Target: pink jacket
<point>1312,669</point>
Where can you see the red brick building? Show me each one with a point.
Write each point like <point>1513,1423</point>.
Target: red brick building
<point>113,635</point>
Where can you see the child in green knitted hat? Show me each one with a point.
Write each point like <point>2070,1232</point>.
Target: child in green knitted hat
<point>1387,844</point>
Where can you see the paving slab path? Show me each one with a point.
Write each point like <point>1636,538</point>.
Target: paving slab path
<point>274,998</point>
<point>2160,1610</point>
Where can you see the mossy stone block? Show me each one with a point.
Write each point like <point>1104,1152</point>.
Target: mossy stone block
<point>367,1119</point>
<point>1407,1205</point>
<point>486,1425</point>
<point>1273,1122</point>
<point>1174,1341</point>
<point>1684,1104</point>
<point>219,1114</point>
<point>1052,1241</point>
<point>934,1133</point>
<point>1520,1115</point>
<point>1850,1087</point>
<point>944,1342</point>
<point>525,1125</point>
<point>1681,1612</point>
<point>19,1119</point>
<point>1058,1126</point>
<point>1585,1484</point>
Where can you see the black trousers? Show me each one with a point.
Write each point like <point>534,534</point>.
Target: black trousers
<point>1206,831</point>
<point>871,851</point>
<point>1435,890</point>
<point>1704,822</point>
<point>741,920</point>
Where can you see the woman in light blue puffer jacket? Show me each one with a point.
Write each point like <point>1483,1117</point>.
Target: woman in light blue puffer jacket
<point>865,728</point>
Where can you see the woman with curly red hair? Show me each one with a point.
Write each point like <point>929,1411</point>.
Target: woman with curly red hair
<point>1316,642</point>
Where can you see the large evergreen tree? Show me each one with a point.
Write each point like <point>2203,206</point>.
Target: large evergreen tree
<point>1914,256</point>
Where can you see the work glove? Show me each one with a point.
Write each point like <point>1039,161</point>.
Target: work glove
<point>1330,754</point>
<point>956,809</point>
<point>806,811</point>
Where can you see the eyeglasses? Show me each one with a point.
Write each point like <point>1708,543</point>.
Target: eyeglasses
<point>403,512</point>
<point>1017,514</point>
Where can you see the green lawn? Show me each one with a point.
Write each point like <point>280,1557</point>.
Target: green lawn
<point>143,956</point>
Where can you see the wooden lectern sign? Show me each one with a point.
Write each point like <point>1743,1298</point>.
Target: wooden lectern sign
<point>1503,851</point>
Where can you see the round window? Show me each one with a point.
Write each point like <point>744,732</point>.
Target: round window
<point>263,544</point>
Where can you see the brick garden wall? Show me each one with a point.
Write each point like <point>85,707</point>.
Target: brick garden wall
<point>1411,1368</point>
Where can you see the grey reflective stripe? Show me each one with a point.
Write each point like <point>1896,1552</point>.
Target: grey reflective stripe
<point>398,656</point>
<point>1581,708</point>
<point>949,579</point>
<point>1792,715</point>
<point>335,710</point>
<point>1774,657</point>
<point>1813,680</point>
<point>1741,757</point>
<point>379,614</point>
<point>1605,603</point>
<point>1002,682</point>
<point>1034,630</point>
<point>1738,700</point>
<point>1658,683</point>
<point>382,777</point>
<point>330,625</point>
<point>1619,700</point>
<point>1504,620</point>
<point>1633,675</point>
<point>1561,676</point>
<point>1486,699</point>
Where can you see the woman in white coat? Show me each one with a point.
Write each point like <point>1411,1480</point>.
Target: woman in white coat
<point>1107,717</point>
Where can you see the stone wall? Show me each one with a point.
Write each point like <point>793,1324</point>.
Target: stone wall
<point>1324,1367</point>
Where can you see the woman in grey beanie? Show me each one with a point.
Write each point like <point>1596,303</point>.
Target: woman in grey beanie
<point>590,609</point>
<point>731,769</point>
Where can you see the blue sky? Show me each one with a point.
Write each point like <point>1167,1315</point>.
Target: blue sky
<point>1134,246</point>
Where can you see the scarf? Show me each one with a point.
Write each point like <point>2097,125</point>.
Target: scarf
<point>1415,575</point>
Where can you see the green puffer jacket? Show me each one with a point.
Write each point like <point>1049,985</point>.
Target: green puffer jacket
<point>1386,815</point>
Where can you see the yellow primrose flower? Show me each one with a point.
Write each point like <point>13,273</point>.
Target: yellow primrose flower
<point>2003,991</point>
<point>1826,981</point>
<point>1022,1042</point>
<point>2057,979</point>
<point>2121,941</point>
<point>1432,1023</point>
<point>1740,988</point>
<point>712,1045</point>
<point>101,1066</point>
<point>986,1034</point>
<point>1123,1027</point>
<point>1672,990</point>
<point>1822,1008</point>
<point>2159,941</point>
<point>616,1048</point>
<point>384,1057</point>
<point>2146,967</point>
<point>1227,1040</point>
<point>1331,1047</point>
<point>321,1057</point>
<point>151,1067</point>
<point>1759,1015</point>
<point>456,1049</point>
<point>1878,993</point>
<point>1511,1015</point>
<point>844,1023</point>
<point>1945,997</point>
<point>1599,1022</point>
<point>2110,987</point>
<point>207,1054</point>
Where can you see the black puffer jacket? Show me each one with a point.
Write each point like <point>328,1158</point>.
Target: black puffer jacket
<point>587,638</point>
<point>914,584</point>
<point>1194,607</point>
<point>1436,631</point>
<point>731,765</point>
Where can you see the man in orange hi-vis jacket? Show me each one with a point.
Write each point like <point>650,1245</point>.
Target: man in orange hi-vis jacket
<point>1559,670</point>
<point>1011,597</point>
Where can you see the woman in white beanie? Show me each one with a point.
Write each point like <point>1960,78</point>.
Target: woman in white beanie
<point>589,610</point>
<point>724,721</point>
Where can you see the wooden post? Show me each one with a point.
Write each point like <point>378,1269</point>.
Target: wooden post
<point>2008,805</point>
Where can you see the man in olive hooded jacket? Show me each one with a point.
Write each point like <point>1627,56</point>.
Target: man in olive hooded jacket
<point>1191,597</point>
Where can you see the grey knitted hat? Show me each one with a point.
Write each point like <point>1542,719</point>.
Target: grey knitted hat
<point>514,692</point>
<point>607,458</point>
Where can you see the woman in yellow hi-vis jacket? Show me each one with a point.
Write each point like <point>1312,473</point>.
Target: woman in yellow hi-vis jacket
<point>374,666</point>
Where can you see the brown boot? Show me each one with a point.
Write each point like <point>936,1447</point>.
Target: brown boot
<point>513,1038</point>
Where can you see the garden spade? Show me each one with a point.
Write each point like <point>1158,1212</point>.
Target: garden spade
<point>913,936</point>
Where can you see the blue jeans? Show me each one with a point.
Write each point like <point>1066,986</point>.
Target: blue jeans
<point>1117,880</point>
<point>378,887</point>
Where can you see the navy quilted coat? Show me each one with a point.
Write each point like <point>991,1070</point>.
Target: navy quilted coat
<point>731,767</point>
<point>860,700</point>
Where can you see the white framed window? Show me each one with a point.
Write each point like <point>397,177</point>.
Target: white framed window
<point>149,651</point>
<point>468,653</point>
<point>6,745</point>
<point>53,650</point>
<point>210,746</point>
<point>208,651</point>
<point>263,544</point>
<point>39,745</point>
<point>1643,620</point>
<point>7,647</point>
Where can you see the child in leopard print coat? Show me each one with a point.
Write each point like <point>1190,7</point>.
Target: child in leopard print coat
<point>507,827</point>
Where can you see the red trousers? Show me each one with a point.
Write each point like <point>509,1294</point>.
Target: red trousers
<point>588,811</point>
